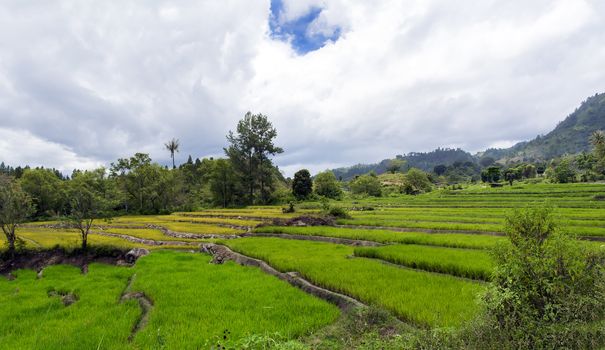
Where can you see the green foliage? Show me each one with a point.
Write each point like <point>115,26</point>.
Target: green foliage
<point>597,140</point>
<point>546,287</point>
<point>563,172</point>
<point>224,184</point>
<point>367,184</point>
<point>46,189</point>
<point>339,212</point>
<point>396,165</point>
<point>326,185</point>
<point>440,169</point>
<point>302,185</point>
<point>91,197</point>
<point>249,150</point>
<point>571,136</point>
<point>145,184</point>
<point>172,146</point>
<point>416,182</point>
<point>15,207</point>
<point>491,174</point>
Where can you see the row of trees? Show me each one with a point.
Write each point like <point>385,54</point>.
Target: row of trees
<point>325,184</point>
<point>139,185</point>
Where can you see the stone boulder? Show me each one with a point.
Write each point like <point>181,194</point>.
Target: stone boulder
<point>135,253</point>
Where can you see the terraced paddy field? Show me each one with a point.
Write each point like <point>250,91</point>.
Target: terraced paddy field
<point>425,259</point>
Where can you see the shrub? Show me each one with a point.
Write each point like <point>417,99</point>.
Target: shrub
<point>416,181</point>
<point>339,212</point>
<point>367,185</point>
<point>547,290</point>
<point>326,185</point>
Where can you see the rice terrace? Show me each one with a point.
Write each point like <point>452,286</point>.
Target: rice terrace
<point>302,175</point>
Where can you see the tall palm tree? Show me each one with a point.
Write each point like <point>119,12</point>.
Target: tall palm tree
<point>172,146</point>
<point>598,142</point>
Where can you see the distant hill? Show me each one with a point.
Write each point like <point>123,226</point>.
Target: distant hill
<point>422,160</point>
<point>571,136</point>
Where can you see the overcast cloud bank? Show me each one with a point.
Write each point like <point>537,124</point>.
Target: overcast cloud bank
<point>83,83</point>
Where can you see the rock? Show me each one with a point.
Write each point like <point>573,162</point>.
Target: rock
<point>135,253</point>
<point>69,299</point>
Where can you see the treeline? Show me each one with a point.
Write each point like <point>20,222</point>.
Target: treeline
<point>138,185</point>
<point>583,167</point>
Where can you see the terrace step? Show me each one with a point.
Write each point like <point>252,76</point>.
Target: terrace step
<point>423,230</point>
<point>222,253</point>
<point>345,241</point>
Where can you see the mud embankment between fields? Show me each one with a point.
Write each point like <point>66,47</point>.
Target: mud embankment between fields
<point>39,259</point>
<point>221,253</point>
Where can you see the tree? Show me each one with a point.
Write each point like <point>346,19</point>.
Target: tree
<point>546,287</point>
<point>249,151</point>
<point>172,146</point>
<point>326,185</point>
<point>46,190</point>
<point>440,169</point>
<point>491,174</point>
<point>148,185</point>
<point>563,172</point>
<point>367,184</point>
<point>302,185</point>
<point>416,181</point>
<point>91,197</point>
<point>529,171</point>
<point>15,207</point>
<point>395,165</point>
<point>223,183</point>
<point>597,140</point>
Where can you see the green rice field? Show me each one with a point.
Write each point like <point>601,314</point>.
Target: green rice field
<point>424,259</point>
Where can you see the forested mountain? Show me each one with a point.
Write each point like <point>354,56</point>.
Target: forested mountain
<point>422,160</point>
<point>569,137</point>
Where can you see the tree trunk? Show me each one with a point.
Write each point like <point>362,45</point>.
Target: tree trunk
<point>84,240</point>
<point>11,245</point>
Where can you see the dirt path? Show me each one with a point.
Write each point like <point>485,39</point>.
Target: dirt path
<point>221,254</point>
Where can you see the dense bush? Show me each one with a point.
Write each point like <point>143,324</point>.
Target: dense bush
<point>368,185</point>
<point>326,185</point>
<point>547,290</point>
<point>416,181</point>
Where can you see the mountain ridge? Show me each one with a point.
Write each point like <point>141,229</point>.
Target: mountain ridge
<point>569,136</point>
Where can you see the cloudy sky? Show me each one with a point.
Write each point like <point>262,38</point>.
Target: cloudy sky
<point>344,81</point>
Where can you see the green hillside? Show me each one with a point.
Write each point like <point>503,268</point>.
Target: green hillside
<point>569,137</point>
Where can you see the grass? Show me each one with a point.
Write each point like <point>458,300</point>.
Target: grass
<point>467,263</point>
<point>453,240</point>
<point>47,238</point>
<point>419,297</point>
<point>31,319</point>
<point>194,302</point>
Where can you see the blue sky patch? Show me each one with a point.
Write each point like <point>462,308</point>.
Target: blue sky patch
<point>296,30</point>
